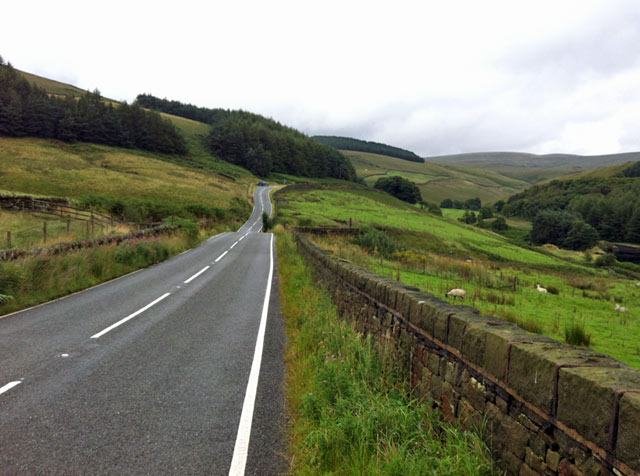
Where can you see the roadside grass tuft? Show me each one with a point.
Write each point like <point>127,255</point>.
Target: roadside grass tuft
<point>351,413</point>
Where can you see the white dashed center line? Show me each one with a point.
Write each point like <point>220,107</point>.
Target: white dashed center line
<point>221,256</point>
<point>130,316</point>
<point>9,386</point>
<point>196,275</point>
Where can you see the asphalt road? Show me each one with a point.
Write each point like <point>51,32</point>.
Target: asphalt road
<point>150,373</point>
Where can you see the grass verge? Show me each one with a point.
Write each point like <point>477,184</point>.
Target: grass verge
<point>34,280</point>
<point>351,413</point>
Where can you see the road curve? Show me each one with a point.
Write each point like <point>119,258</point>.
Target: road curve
<point>148,374</point>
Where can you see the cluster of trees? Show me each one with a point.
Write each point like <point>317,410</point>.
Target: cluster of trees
<point>27,110</point>
<point>400,188</point>
<point>470,204</point>
<point>564,229</point>
<point>348,143</point>
<point>608,205</point>
<point>259,144</point>
<point>263,146</point>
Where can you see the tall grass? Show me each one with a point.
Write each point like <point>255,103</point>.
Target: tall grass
<point>34,280</point>
<point>351,414</point>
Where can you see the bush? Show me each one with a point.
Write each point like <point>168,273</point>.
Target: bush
<point>266,222</point>
<point>499,224</point>
<point>607,259</point>
<point>575,334</point>
<point>552,290</point>
<point>376,241</point>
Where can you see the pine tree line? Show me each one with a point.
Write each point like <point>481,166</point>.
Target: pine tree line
<point>348,143</point>
<point>259,144</point>
<point>27,110</point>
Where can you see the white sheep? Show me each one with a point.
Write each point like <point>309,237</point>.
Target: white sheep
<point>540,289</point>
<point>619,308</point>
<point>637,285</point>
<point>457,292</point>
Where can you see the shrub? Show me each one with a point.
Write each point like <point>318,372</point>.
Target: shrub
<point>376,241</point>
<point>266,222</point>
<point>575,334</point>
<point>552,290</point>
<point>607,259</point>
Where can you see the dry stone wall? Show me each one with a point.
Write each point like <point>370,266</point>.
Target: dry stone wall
<point>546,407</point>
<point>65,247</point>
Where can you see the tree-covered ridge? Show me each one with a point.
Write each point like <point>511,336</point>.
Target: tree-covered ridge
<point>259,144</point>
<point>264,146</point>
<point>177,108</point>
<point>27,110</point>
<point>348,143</point>
<point>607,204</point>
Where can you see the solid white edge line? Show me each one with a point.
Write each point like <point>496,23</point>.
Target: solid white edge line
<point>130,316</point>
<point>241,448</point>
<point>221,256</point>
<point>9,386</point>
<point>196,275</point>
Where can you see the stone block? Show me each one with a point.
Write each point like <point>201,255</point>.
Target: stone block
<point>496,352</point>
<point>586,398</point>
<point>533,368</point>
<point>433,363</point>
<point>628,441</point>
<point>534,461</point>
<point>514,436</point>
<point>474,391</point>
<point>553,460</point>
<point>469,417</point>
<point>525,470</point>
<point>538,445</point>
<point>458,322</point>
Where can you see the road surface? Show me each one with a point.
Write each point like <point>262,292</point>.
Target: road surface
<point>152,373</point>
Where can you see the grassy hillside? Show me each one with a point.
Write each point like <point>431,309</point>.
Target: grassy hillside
<point>54,87</point>
<point>75,170</point>
<point>438,181</point>
<point>437,254</point>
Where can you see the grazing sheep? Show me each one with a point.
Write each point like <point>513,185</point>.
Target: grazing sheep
<point>457,293</point>
<point>540,288</point>
<point>619,308</point>
<point>637,285</point>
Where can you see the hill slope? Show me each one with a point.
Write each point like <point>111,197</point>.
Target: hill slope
<point>438,181</point>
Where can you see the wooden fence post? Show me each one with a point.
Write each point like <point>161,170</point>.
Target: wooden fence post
<point>44,232</point>
<point>92,225</point>
<point>8,239</point>
<point>68,224</point>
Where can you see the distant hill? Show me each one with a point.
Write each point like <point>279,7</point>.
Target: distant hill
<point>521,159</point>
<point>438,181</point>
<point>348,143</point>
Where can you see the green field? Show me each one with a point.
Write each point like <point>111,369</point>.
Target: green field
<point>443,253</point>
<point>439,180</point>
<point>57,169</point>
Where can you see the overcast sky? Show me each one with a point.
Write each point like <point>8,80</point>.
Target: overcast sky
<point>436,77</point>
